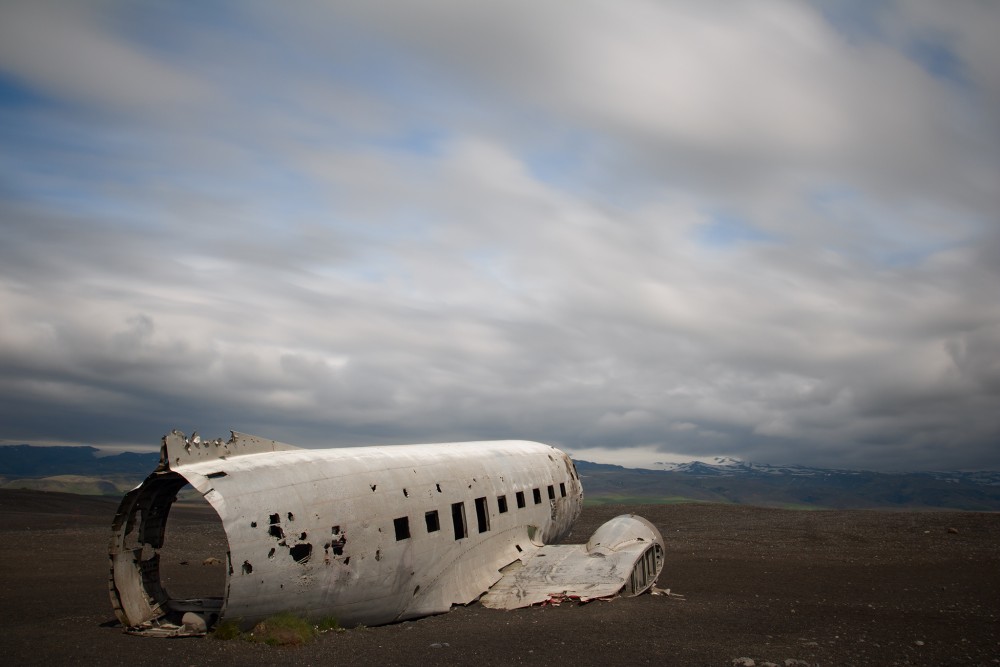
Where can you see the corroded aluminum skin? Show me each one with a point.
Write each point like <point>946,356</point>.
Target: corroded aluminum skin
<point>312,532</point>
<point>623,557</point>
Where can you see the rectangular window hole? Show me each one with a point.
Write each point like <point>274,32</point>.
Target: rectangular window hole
<point>433,524</point>
<point>502,504</point>
<point>537,495</point>
<point>482,515</point>
<point>562,489</point>
<point>520,499</point>
<point>402,526</point>
<point>552,492</point>
<point>458,520</point>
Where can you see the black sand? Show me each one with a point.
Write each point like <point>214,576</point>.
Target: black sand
<point>823,588</point>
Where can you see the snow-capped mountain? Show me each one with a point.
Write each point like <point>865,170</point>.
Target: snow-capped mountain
<point>725,479</point>
<point>728,466</point>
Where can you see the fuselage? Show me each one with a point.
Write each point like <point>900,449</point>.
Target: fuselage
<point>365,535</point>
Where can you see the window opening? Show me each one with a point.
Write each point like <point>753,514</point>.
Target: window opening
<point>502,504</point>
<point>402,526</point>
<point>432,521</point>
<point>482,515</point>
<point>552,492</point>
<point>458,519</point>
<point>562,489</point>
<point>520,499</point>
<point>537,495</point>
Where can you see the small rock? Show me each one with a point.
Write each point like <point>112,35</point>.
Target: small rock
<point>211,561</point>
<point>794,662</point>
<point>918,643</point>
<point>193,622</point>
<point>743,662</point>
<point>953,531</point>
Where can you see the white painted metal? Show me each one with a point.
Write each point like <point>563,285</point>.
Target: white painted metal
<point>347,533</point>
<point>624,556</point>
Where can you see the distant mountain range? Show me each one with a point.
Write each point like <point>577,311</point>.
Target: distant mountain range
<point>34,461</point>
<point>72,469</point>
<point>733,481</point>
<point>724,466</point>
<point>727,480</point>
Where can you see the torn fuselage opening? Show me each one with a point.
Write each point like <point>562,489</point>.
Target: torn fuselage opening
<point>645,571</point>
<point>150,585</point>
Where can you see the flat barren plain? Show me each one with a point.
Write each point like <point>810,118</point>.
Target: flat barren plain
<point>772,586</point>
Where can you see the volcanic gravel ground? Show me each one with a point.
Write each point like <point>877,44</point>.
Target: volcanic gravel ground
<point>822,588</point>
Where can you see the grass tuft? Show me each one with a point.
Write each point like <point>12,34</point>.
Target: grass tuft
<point>227,630</point>
<point>327,624</point>
<point>283,629</point>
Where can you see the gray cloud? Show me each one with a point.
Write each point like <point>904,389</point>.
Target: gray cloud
<point>72,50</point>
<point>639,228</point>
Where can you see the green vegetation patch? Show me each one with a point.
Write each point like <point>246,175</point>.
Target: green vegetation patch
<point>284,629</point>
<point>227,630</point>
<point>613,499</point>
<point>328,624</point>
<point>798,506</point>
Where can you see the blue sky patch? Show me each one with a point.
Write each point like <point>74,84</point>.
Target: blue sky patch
<point>727,230</point>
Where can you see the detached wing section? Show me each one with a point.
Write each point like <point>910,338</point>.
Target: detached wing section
<point>623,558</point>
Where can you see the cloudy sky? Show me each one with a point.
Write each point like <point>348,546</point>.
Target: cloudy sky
<point>637,230</point>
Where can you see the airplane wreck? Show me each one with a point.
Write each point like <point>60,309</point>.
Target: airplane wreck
<point>372,535</point>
